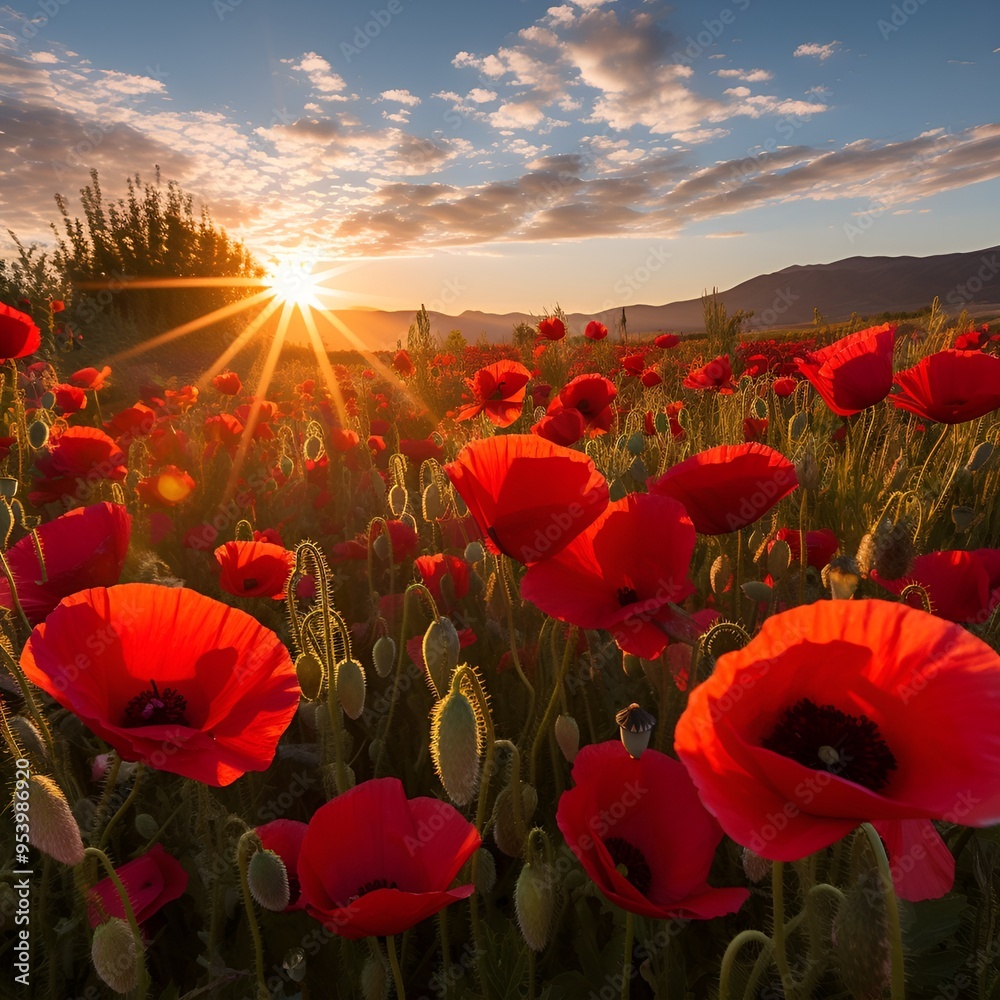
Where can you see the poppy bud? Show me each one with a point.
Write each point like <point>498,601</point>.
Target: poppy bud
<point>893,549</point>
<point>432,506</point>
<point>456,746</point>
<point>504,831</point>
<point>146,826</point>
<point>309,671</point>
<point>778,559</point>
<point>351,687</point>
<point>636,726</point>
<point>486,871</point>
<point>474,552</point>
<point>568,736</point>
<point>294,963</point>
<point>27,734</point>
<point>441,651</point>
<point>286,465</point>
<point>382,546</point>
<point>842,576</point>
<point>962,517</point>
<point>378,484</point>
<point>865,556</point>
<point>861,940</point>
<point>757,591</point>
<point>980,456</point>
<point>807,471</point>
<point>114,956</point>
<point>721,575</point>
<point>534,902</point>
<point>374,981</point>
<point>54,831</point>
<point>384,655</point>
<point>268,881</point>
<point>756,868</point>
<point>397,500</point>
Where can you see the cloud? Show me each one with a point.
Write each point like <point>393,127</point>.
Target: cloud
<point>731,235</point>
<point>820,51</point>
<point>324,81</point>
<point>400,97</point>
<point>753,76</point>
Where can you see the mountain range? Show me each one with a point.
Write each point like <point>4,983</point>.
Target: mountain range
<point>866,285</point>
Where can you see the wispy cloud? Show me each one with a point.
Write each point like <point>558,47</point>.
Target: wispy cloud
<point>817,49</point>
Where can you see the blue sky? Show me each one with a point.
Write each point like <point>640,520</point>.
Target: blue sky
<point>508,156</point>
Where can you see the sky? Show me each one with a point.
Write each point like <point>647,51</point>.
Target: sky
<point>511,156</point>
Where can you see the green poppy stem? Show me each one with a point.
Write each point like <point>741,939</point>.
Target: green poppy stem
<point>627,960</point>
<point>780,953</point>
<point>397,975</point>
<point>891,911</point>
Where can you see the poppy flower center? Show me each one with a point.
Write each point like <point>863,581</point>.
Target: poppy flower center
<point>363,890</point>
<point>583,406</point>
<point>151,708</point>
<point>249,583</point>
<point>629,857</point>
<point>823,738</point>
<point>626,596</point>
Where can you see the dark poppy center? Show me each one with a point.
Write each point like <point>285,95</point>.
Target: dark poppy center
<point>626,596</point>
<point>825,739</point>
<point>583,406</point>
<point>153,708</point>
<point>249,583</point>
<point>629,857</point>
<point>378,883</point>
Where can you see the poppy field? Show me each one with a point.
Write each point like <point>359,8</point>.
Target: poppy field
<point>563,668</point>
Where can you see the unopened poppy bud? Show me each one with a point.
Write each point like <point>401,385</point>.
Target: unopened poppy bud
<point>54,830</point>
<point>309,671</point>
<point>779,558</point>
<point>351,687</point>
<point>980,456</point>
<point>756,868</point>
<point>268,881</point>
<point>431,503</point>
<point>534,902</point>
<point>865,557</point>
<point>807,471</point>
<point>382,546</point>
<point>397,500</point>
<point>486,871</point>
<point>441,651</point>
<point>842,575</point>
<point>505,833</point>
<point>894,549</point>
<point>378,483</point>
<point>114,956</point>
<point>294,963</point>
<point>286,465</point>
<point>28,735</point>
<point>636,726</point>
<point>962,517</point>
<point>384,655</point>
<point>146,826</point>
<point>474,552</point>
<point>374,980</point>
<point>568,736</point>
<point>721,575</point>
<point>757,591</point>
<point>456,746</point>
<point>861,941</point>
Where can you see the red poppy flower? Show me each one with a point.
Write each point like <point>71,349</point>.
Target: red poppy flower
<point>529,497</point>
<point>168,676</point>
<point>634,364</point>
<point>151,881</point>
<point>552,328</point>
<point>57,305</point>
<point>677,432</point>
<point>728,487</point>
<point>85,547</point>
<point>498,390</point>
<point>404,538</point>
<point>595,330</point>
<point>19,336</point>
<point>131,423</point>
<point>784,386</point>
<point>183,398</point>
<point>540,393</point>
<point>254,569</point>
<point>69,398</point>
<point>621,574</point>
<point>565,427</point>
<point>667,340</point>
<point>950,387</point>
<point>592,396</point>
<point>650,377</point>
<point>820,545</point>
<point>842,712</point>
<point>418,450</point>
<point>754,428</point>
<point>169,487</point>
<point>284,837</point>
<point>90,378</point>
<point>403,364</point>
<point>374,862</point>
<point>854,372</point>
<point>435,569</point>
<point>644,814</point>
<point>717,374</point>
<point>228,383</point>
<point>963,586</point>
<point>76,459</point>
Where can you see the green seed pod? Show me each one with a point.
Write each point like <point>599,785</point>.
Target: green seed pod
<point>635,725</point>
<point>114,956</point>
<point>309,671</point>
<point>54,830</point>
<point>568,736</point>
<point>432,506</point>
<point>38,434</point>
<point>397,500</point>
<point>842,575</point>
<point>8,487</point>
<point>268,881</point>
<point>384,655</point>
<point>534,903</point>
<point>441,651</point>
<point>456,746</point>
<point>351,687</point>
<point>286,465</point>
<point>474,552</point>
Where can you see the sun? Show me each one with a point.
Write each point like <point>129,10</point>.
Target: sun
<point>295,283</point>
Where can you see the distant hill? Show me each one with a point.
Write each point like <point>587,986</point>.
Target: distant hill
<point>865,285</point>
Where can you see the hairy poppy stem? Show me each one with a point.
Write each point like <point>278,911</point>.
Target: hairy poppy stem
<point>733,949</point>
<point>506,574</point>
<point>140,951</point>
<point>397,975</point>
<point>397,677</point>
<point>778,936</point>
<point>242,861</point>
<point>627,969</point>
<point>123,808</point>
<point>516,802</point>
<point>550,710</point>
<point>891,911</point>
<point>109,786</point>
